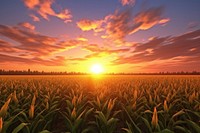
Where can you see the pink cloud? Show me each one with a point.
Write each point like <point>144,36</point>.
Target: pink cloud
<point>35,18</point>
<point>7,47</point>
<point>127,2</point>
<point>27,25</point>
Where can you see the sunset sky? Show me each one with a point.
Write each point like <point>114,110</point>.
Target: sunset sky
<point>122,35</point>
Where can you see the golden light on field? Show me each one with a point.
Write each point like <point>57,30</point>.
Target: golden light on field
<point>96,69</point>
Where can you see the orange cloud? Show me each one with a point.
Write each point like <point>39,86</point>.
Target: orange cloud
<point>44,9</point>
<point>34,43</point>
<point>82,39</point>
<point>163,21</point>
<point>149,18</point>
<point>27,25</point>
<point>121,24</point>
<point>7,47</point>
<point>31,3</point>
<point>57,61</point>
<point>100,50</point>
<point>127,2</point>
<point>86,25</point>
<point>35,18</point>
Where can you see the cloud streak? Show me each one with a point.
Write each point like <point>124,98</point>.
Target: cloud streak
<point>167,50</point>
<point>33,43</point>
<point>44,9</point>
<point>57,61</point>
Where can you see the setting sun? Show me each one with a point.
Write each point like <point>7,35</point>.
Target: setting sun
<point>96,69</point>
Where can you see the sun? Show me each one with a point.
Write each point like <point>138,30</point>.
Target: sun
<point>96,69</point>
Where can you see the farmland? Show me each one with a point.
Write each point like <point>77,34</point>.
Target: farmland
<point>100,104</point>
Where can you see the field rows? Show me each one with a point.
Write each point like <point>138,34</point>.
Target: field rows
<point>104,104</point>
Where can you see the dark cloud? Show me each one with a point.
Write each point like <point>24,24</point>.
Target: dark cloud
<point>185,47</point>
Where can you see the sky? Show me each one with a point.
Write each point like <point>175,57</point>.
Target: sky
<point>121,35</point>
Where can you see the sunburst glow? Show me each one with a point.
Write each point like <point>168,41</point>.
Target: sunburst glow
<point>96,69</point>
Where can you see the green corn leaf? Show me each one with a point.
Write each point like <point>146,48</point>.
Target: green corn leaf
<point>19,127</point>
<point>178,113</point>
<point>148,125</point>
<point>166,131</point>
<point>181,129</point>
<point>136,128</point>
<point>193,125</point>
<point>45,131</point>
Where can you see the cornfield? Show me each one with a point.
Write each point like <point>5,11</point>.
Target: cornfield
<point>104,104</point>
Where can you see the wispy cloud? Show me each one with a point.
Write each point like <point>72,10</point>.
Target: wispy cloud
<point>168,50</point>
<point>34,18</point>
<point>27,25</point>
<point>127,2</point>
<point>123,23</point>
<point>57,61</point>
<point>44,9</point>
<point>193,24</point>
<point>30,47</point>
<point>34,43</point>
<point>7,47</point>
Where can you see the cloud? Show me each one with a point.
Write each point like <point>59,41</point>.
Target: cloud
<point>7,47</point>
<point>30,47</point>
<point>31,3</point>
<point>44,9</point>
<point>193,24</point>
<point>168,50</point>
<point>176,64</point>
<point>97,51</point>
<point>35,18</point>
<point>27,25</point>
<point>148,18</point>
<point>86,25</point>
<point>164,21</point>
<point>34,43</point>
<point>82,39</point>
<point>57,61</point>
<point>121,24</point>
<point>95,48</point>
<point>127,2</point>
